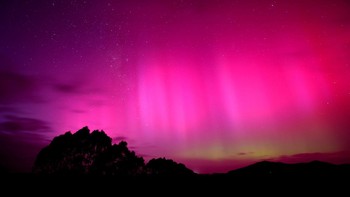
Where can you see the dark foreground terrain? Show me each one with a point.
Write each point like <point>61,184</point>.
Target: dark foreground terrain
<point>264,178</point>
<point>88,162</point>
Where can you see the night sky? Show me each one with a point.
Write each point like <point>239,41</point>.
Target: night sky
<point>213,84</point>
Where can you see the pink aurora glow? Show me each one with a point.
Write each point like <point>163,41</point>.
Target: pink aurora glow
<point>213,85</point>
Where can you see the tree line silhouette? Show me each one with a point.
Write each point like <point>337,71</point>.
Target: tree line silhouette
<point>85,153</point>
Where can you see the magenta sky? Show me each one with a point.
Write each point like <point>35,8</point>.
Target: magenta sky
<point>213,84</point>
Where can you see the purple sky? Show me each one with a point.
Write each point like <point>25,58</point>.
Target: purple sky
<point>213,84</point>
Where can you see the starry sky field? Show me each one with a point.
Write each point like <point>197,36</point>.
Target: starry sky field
<point>214,84</point>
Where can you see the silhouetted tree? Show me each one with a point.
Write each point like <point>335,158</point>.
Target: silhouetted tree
<point>93,153</point>
<point>166,167</point>
<point>118,160</point>
<point>85,153</point>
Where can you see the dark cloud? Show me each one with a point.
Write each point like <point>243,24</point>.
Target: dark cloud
<point>144,155</point>
<point>333,157</point>
<point>16,87</point>
<point>67,88</point>
<point>21,139</point>
<point>91,95</point>
<point>78,111</point>
<point>119,138</point>
<point>16,124</point>
<point>76,87</point>
<point>244,153</point>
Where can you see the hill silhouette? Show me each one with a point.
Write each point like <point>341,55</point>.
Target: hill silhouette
<point>85,153</point>
<point>311,169</point>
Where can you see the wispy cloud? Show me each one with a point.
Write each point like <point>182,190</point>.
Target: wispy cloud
<point>334,157</point>
<point>17,87</point>
<point>15,124</point>
<point>78,111</point>
<point>244,153</point>
<point>119,138</point>
<point>78,87</point>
